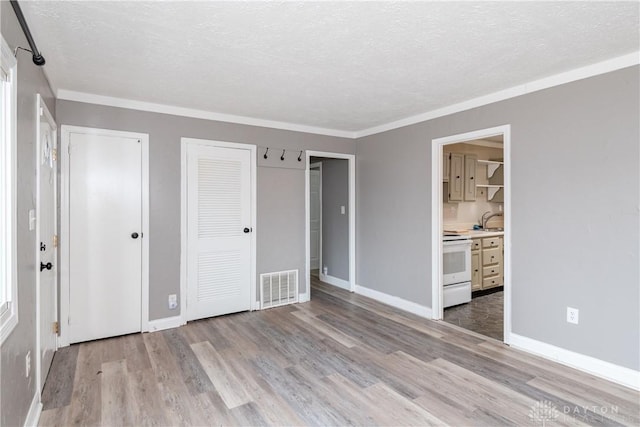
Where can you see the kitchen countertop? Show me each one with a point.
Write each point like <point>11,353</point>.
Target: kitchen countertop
<point>479,233</point>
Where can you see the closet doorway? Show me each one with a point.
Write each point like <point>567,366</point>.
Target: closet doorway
<point>330,220</point>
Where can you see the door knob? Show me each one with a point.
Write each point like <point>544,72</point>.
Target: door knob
<point>134,235</point>
<point>247,230</point>
<point>46,266</point>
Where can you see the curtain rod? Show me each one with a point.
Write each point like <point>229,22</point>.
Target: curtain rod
<point>38,59</point>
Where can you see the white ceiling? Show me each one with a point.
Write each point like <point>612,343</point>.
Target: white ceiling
<point>345,66</point>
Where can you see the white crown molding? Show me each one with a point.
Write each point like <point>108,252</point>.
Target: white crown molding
<point>89,98</point>
<point>600,368</point>
<point>533,86</point>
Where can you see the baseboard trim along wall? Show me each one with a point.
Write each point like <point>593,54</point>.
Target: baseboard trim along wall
<point>335,282</point>
<point>33,416</point>
<point>397,302</point>
<point>609,371</point>
<point>166,323</point>
<point>305,297</point>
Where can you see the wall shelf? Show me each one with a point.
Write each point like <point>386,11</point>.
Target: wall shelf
<point>492,189</point>
<point>492,166</point>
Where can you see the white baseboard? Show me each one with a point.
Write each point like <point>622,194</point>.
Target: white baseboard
<point>305,297</point>
<point>335,282</point>
<point>607,370</point>
<point>166,323</point>
<point>33,416</point>
<point>397,302</point>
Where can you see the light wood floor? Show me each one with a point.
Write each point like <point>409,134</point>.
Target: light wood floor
<point>341,359</point>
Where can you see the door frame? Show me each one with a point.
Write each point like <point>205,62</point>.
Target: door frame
<point>65,259</point>
<point>437,145</point>
<point>43,112</point>
<point>184,143</point>
<point>352,218</point>
<point>317,165</point>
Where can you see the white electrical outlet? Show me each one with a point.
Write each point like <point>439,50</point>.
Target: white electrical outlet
<point>27,364</point>
<point>342,210</point>
<point>173,301</point>
<point>572,315</point>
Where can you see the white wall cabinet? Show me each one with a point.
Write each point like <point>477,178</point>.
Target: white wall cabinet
<point>470,163</point>
<point>459,177</point>
<point>456,177</point>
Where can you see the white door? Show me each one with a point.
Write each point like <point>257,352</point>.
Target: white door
<point>47,263</point>
<point>219,230</point>
<point>105,243</point>
<point>315,186</point>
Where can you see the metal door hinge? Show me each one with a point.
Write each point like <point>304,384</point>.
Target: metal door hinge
<point>56,328</point>
<point>54,154</point>
<point>41,111</point>
<point>55,240</point>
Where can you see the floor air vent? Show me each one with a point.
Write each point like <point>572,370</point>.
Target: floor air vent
<point>278,288</point>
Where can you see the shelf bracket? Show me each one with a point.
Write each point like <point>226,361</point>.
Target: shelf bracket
<point>491,192</point>
<point>492,168</point>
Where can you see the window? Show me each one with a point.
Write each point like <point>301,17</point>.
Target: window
<point>8,263</point>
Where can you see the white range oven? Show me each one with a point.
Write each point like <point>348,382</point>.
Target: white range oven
<point>456,269</point>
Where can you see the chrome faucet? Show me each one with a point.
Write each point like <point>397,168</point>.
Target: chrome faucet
<point>486,219</point>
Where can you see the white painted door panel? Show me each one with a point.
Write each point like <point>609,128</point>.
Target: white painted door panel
<point>219,248</point>
<point>314,200</point>
<point>48,295</point>
<point>105,198</point>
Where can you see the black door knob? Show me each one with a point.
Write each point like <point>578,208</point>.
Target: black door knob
<point>46,266</point>
<point>134,235</point>
<point>246,229</point>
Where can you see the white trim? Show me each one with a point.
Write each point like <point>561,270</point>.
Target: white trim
<point>512,92</point>
<point>317,165</point>
<point>165,323</point>
<point>255,304</point>
<point>42,110</point>
<point>335,281</point>
<point>9,230</point>
<point>65,260</point>
<point>600,368</point>
<point>397,302</point>
<point>306,297</point>
<point>437,218</point>
<point>576,74</point>
<point>89,98</point>
<point>35,409</point>
<point>352,218</point>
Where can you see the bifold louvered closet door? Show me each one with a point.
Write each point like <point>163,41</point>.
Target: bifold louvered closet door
<point>218,227</point>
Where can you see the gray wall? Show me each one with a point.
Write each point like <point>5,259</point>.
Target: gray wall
<point>335,226</point>
<point>16,390</point>
<point>575,221</point>
<point>280,210</point>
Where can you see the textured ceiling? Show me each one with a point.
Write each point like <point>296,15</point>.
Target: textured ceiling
<point>338,65</point>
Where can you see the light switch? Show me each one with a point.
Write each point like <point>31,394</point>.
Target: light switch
<point>32,219</point>
<point>342,210</point>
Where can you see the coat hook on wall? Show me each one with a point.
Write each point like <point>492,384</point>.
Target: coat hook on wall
<point>282,157</point>
<point>300,156</point>
<point>265,153</point>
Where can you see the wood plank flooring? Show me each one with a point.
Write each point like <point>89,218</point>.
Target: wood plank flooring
<point>341,359</point>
